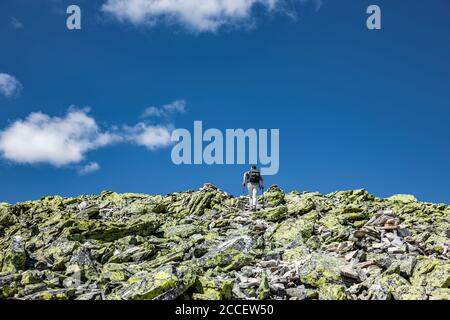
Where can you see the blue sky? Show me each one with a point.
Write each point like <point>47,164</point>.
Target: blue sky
<point>355,108</point>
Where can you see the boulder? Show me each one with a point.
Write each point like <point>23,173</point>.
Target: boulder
<point>406,198</point>
<point>320,269</point>
<point>15,258</point>
<point>166,282</point>
<point>274,196</point>
<point>203,245</point>
<point>230,255</point>
<point>332,292</point>
<point>213,288</point>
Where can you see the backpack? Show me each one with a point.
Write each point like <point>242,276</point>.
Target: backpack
<point>254,176</point>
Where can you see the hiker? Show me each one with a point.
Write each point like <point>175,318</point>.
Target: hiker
<point>255,182</point>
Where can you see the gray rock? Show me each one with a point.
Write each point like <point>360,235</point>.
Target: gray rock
<point>404,232</point>
<point>348,271</point>
<point>268,264</point>
<point>201,245</point>
<point>396,250</point>
<point>351,255</point>
<point>298,293</point>
<point>277,288</point>
<point>407,266</point>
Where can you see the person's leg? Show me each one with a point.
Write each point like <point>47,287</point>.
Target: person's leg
<point>250,194</point>
<point>254,194</point>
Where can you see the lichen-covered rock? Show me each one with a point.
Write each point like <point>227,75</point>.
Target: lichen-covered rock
<point>81,265</point>
<point>320,269</point>
<point>30,277</point>
<point>332,227</point>
<point>273,214</point>
<point>182,231</point>
<point>387,287</point>
<point>298,253</point>
<point>143,225</point>
<point>440,294</point>
<point>431,273</point>
<point>6,218</point>
<point>229,255</point>
<point>14,259</point>
<point>52,294</point>
<point>166,282</point>
<point>213,288</point>
<point>9,285</point>
<point>403,198</point>
<point>300,204</point>
<point>274,197</point>
<point>205,245</point>
<point>294,230</point>
<point>408,292</point>
<point>332,292</point>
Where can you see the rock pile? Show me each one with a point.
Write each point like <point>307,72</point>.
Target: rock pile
<point>204,245</point>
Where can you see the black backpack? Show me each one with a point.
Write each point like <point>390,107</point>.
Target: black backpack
<point>254,176</point>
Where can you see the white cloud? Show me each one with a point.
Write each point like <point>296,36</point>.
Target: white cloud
<point>155,136</point>
<point>63,141</point>
<point>196,15</point>
<point>16,23</point>
<point>177,106</point>
<point>89,168</point>
<point>152,112</point>
<point>150,136</point>
<point>53,140</point>
<point>9,86</point>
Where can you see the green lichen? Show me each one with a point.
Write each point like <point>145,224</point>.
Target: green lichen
<point>431,273</point>
<point>332,292</point>
<point>202,245</point>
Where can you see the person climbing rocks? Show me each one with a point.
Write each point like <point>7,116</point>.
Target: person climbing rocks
<point>255,182</point>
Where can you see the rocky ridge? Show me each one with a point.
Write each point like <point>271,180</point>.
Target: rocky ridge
<point>204,245</point>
